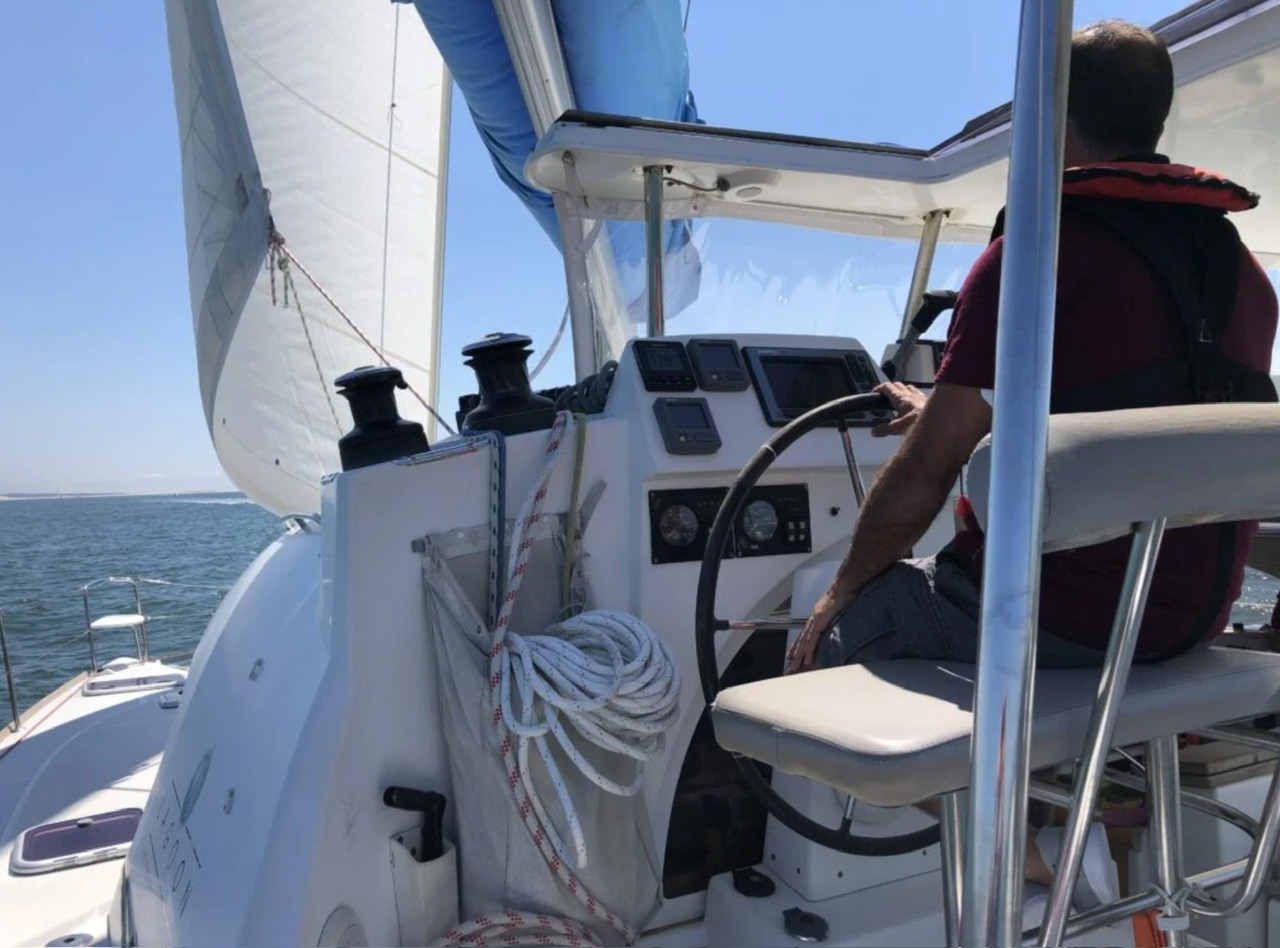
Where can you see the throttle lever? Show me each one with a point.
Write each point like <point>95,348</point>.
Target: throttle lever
<point>933,303</point>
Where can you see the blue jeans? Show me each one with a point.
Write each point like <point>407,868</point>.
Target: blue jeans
<point>926,608</point>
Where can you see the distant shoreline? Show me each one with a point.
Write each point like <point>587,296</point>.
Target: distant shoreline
<point>17,495</point>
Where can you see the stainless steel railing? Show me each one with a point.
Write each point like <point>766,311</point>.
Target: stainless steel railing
<point>8,675</point>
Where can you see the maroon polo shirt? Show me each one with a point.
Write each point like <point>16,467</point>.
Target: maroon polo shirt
<point>1113,316</point>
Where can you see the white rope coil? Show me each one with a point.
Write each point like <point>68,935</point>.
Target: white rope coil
<point>610,679</point>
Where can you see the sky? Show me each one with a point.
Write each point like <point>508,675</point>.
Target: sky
<point>98,387</point>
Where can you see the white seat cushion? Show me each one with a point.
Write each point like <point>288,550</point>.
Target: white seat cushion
<point>1105,471</point>
<point>893,733</point>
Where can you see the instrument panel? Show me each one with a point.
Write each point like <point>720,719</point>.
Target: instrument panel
<point>786,382</point>
<point>774,521</point>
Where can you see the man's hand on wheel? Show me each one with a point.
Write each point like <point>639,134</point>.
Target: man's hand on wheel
<point>802,653</point>
<point>907,400</point>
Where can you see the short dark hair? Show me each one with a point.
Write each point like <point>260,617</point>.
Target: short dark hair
<point>1121,87</point>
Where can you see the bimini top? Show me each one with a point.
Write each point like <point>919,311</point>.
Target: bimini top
<point>1226,118</point>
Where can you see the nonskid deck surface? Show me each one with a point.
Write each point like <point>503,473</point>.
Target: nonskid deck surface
<point>90,747</point>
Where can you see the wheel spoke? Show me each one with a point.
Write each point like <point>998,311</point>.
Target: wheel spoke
<point>772,623</point>
<point>847,820</point>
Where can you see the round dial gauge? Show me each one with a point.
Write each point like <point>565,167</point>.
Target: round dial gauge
<point>678,526</point>
<point>760,521</point>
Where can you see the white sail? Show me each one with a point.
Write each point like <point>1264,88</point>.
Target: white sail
<point>329,120</point>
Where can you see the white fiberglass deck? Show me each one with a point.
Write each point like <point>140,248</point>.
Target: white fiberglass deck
<point>90,747</point>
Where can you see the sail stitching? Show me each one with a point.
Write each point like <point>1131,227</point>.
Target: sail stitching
<point>330,116</point>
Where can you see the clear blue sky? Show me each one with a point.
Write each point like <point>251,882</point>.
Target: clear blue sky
<point>97,372</point>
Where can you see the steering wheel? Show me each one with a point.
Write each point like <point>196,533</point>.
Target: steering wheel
<point>707,625</point>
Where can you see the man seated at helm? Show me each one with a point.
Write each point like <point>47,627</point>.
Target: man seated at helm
<point>1120,341</point>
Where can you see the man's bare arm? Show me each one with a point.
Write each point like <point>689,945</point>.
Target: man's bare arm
<point>903,502</point>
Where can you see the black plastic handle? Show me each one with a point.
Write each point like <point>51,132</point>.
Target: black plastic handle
<point>932,305</point>
<point>431,805</point>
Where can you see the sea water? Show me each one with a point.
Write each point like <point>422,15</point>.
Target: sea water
<point>188,549</point>
<point>51,548</point>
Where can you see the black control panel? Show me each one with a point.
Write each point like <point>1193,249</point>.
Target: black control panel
<point>686,425</point>
<point>664,365</point>
<point>718,365</point>
<point>792,381</point>
<point>774,521</point>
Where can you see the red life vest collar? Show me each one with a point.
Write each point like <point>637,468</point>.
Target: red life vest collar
<point>1158,183</point>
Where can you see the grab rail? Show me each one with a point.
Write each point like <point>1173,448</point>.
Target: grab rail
<point>139,629</point>
<point>8,675</point>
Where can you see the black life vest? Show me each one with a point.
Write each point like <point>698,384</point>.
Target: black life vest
<point>1174,216</point>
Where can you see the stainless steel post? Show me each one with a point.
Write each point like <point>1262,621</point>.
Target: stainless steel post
<point>952,856</point>
<point>653,246</point>
<point>8,676</point>
<point>851,462</point>
<point>582,320</point>
<point>529,29</point>
<point>1165,822</point>
<point>1115,676</point>
<point>143,645</point>
<point>1261,861</point>
<point>88,630</point>
<point>929,234</point>
<point>992,907</point>
<point>1135,904</point>
<point>1060,796</point>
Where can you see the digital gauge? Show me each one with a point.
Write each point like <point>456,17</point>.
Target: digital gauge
<point>678,526</point>
<point>760,521</point>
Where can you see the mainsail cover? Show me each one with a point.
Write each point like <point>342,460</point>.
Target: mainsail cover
<point>326,124</point>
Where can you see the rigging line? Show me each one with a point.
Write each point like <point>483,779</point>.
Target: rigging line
<point>287,279</point>
<point>277,242</point>
<point>687,7</point>
<point>386,211</point>
<point>551,349</point>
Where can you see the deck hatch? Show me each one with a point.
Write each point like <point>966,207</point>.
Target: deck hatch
<point>77,842</point>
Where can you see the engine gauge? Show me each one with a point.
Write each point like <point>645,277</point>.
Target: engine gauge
<point>678,526</point>
<point>760,521</point>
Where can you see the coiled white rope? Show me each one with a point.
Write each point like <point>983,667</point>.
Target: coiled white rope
<point>603,672</point>
<point>613,680</point>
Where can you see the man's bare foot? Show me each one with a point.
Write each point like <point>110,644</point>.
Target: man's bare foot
<point>1035,869</point>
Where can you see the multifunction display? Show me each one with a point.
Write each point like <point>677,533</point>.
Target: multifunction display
<point>717,365</point>
<point>664,366</point>
<point>686,425</point>
<point>790,382</point>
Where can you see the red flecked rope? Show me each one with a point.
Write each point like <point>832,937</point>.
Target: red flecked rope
<point>524,928</point>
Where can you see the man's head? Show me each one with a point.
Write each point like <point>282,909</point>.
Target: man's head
<point>1120,92</point>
